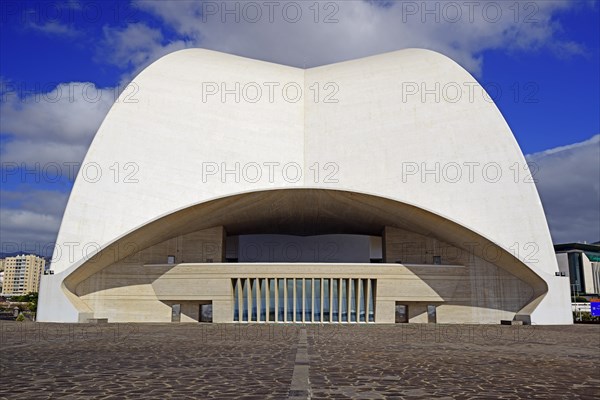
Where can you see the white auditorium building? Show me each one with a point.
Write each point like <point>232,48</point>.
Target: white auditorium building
<point>387,189</point>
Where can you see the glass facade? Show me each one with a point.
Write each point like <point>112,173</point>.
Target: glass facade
<point>361,300</point>
<point>308,300</point>
<point>236,300</point>
<point>253,298</point>
<point>335,300</point>
<point>353,300</point>
<point>371,299</point>
<point>290,300</point>
<point>576,273</point>
<point>299,301</point>
<point>317,302</point>
<point>344,313</point>
<point>281,300</point>
<point>263,300</point>
<point>326,300</point>
<point>244,296</point>
<point>431,314</point>
<point>272,295</point>
<point>303,299</point>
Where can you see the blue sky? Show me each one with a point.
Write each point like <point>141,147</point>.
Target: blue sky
<point>544,57</point>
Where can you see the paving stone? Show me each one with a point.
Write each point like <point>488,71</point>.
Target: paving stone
<point>180,361</point>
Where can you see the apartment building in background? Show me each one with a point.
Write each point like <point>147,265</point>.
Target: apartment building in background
<point>22,274</point>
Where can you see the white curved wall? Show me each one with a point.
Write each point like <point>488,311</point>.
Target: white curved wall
<point>372,133</point>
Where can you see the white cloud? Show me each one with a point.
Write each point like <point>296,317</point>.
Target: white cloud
<point>54,28</point>
<point>360,28</point>
<point>137,46</point>
<point>31,152</point>
<point>132,44</point>
<point>61,114</point>
<point>30,219</point>
<point>55,126</point>
<point>568,182</point>
<point>47,202</point>
<point>27,228</point>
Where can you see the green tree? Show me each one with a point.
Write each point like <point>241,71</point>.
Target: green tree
<point>30,298</point>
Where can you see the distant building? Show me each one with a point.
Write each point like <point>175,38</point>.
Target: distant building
<point>22,274</point>
<point>581,262</point>
<point>1,273</point>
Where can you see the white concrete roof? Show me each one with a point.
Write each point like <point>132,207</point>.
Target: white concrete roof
<point>165,128</point>
<point>373,134</point>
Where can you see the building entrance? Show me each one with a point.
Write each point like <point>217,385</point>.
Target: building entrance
<point>401,313</point>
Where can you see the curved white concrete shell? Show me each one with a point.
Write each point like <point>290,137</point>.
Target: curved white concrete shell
<point>404,143</point>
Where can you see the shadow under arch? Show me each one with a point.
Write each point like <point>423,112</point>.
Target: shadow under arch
<point>301,211</point>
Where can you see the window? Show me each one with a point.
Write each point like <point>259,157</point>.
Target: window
<point>244,293</point>
<point>353,284</point>
<point>401,313</point>
<point>431,314</point>
<point>326,300</point>
<point>281,299</point>
<point>299,305</point>
<point>344,313</point>
<point>263,299</point>
<point>290,299</point>
<point>303,299</point>
<point>334,300</point>
<point>272,295</point>
<point>175,312</point>
<point>317,302</point>
<point>253,284</point>
<point>576,273</point>
<point>372,291</point>
<point>308,299</point>
<point>236,299</point>
<point>362,300</point>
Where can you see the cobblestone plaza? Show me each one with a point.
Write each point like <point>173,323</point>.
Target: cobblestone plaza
<point>284,361</point>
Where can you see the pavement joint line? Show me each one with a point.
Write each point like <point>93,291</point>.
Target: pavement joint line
<point>300,386</point>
